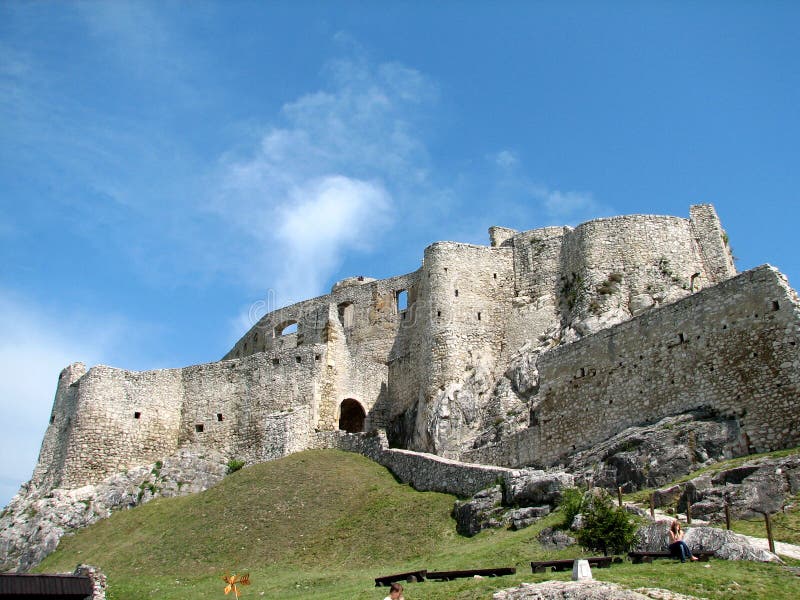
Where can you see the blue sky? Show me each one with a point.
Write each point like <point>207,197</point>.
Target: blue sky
<point>166,166</point>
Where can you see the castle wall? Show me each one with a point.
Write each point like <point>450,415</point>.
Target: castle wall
<point>731,348</point>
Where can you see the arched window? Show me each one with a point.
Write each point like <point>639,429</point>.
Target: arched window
<point>351,416</point>
<point>286,328</point>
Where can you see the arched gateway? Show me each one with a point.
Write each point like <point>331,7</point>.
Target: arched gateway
<point>351,416</point>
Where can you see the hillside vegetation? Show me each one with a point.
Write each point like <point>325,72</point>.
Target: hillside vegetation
<point>324,524</point>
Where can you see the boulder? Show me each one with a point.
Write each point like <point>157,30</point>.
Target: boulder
<point>535,488</point>
<point>726,544</point>
<point>524,517</point>
<point>555,539</point>
<point>482,511</point>
<point>584,590</point>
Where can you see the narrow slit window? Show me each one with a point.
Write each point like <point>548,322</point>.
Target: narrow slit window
<point>198,428</point>
<point>276,361</point>
<point>137,415</point>
<point>220,417</point>
<point>298,359</point>
<point>775,305</point>
<point>479,316</point>
<point>456,293</point>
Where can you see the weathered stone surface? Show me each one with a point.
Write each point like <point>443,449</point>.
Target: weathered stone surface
<point>725,544</point>
<point>757,486</point>
<point>525,517</point>
<point>535,488</point>
<point>584,590</point>
<point>34,522</point>
<point>652,455</point>
<point>482,511</point>
<point>555,539</point>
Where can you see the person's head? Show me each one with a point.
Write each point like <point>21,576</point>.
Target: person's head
<point>395,591</point>
<point>675,527</point>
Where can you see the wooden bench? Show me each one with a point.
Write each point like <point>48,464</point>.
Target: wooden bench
<point>648,557</point>
<point>601,562</point>
<point>409,577</point>
<point>450,575</point>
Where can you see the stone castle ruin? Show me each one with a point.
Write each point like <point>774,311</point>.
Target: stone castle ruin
<point>541,345</point>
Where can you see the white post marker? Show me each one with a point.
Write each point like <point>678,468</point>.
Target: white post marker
<point>581,571</point>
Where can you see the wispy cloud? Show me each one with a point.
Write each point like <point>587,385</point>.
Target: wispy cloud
<point>327,179</point>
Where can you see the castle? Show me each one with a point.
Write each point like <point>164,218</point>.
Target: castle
<point>518,353</point>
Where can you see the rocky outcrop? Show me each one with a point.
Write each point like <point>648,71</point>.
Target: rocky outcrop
<point>653,455</point>
<point>33,523</point>
<point>525,497</point>
<point>724,544</point>
<point>584,590</point>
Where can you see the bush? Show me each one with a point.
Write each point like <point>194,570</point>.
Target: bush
<point>606,528</point>
<point>234,465</point>
<point>571,505</point>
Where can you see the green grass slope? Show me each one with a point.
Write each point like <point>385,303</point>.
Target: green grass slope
<point>324,524</point>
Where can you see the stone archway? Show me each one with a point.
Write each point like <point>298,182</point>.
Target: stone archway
<point>351,416</point>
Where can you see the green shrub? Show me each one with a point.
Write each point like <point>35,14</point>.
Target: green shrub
<point>606,528</point>
<point>571,505</point>
<point>234,465</point>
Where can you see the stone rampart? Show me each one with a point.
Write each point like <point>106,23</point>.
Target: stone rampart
<point>731,348</point>
<point>424,472</point>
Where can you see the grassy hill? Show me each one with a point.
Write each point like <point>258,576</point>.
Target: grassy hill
<point>323,524</point>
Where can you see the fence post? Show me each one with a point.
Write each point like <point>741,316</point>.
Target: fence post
<point>769,533</point>
<point>688,510</point>
<point>619,496</point>
<point>727,516</point>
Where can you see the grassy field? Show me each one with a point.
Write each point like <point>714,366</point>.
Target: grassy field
<point>324,524</point>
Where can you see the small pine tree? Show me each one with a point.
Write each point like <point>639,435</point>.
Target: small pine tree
<point>571,504</point>
<point>606,528</point>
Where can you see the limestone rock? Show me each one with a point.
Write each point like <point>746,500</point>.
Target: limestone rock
<point>535,488</point>
<point>583,590</point>
<point>33,523</point>
<point>482,511</point>
<point>524,517</point>
<point>652,455</point>
<point>555,539</point>
<point>726,544</point>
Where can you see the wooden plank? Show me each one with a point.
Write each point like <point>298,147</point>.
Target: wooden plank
<point>409,576</point>
<point>448,575</point>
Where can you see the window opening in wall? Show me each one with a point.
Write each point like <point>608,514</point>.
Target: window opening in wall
<point>351,416</point>
<point>245,346</point>
<point>137,415</point>
<point>286,328</point>
<point>479,316</point>
<point>494,275</point>
<point>401,298</point>
<point>438,313</point>
<point>52,418</point>
<point>220,417</point>
<point>255,338</point>
<point>346,311</point>
<point>445,269</point>
<point>775,305</point>
<point>298,359</point>
<point>456,293</point>
<point>198,428</point>
<point>317,357</point>
<point>276,361</point>
<point>681,338</point>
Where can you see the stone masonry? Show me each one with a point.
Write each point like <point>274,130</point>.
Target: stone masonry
<point>518,353</point>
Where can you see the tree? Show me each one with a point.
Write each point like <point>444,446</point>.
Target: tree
<point>606,527</point>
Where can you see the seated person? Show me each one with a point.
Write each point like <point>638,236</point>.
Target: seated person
<point>676,544</point>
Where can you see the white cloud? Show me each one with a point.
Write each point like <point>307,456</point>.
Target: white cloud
<point>569,206</point>
<point>505,159</point>
<point>36,344</point>
<point>327,181</point>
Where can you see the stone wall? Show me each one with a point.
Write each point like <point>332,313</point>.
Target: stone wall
<point>731,348</point>
<point>424,472</point>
